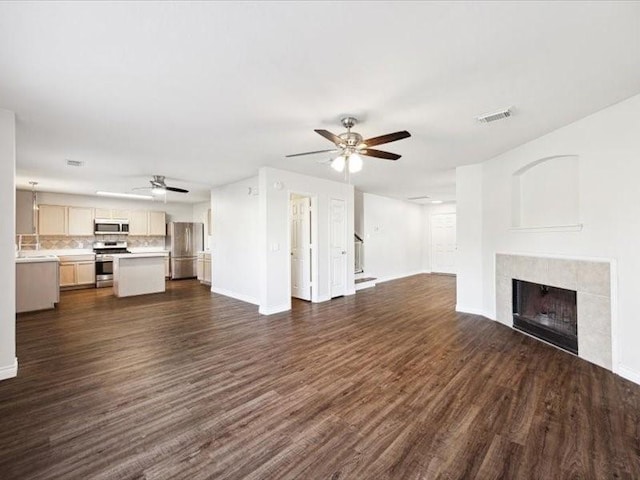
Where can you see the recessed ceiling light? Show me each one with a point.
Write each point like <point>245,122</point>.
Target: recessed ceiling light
<point>436,201</point>
<point>125,195</point>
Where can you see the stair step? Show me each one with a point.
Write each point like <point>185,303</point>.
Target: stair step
<point>365,279</point>
<point>366,282</point>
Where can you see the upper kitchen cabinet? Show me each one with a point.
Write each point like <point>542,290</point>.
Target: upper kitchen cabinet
<point>157,224</point>
<point>144,223</point>
<point>61,220</point>
<point>80,221</point>
<point>138,222</point>
<point>114,214</point>
<point>52,220</point>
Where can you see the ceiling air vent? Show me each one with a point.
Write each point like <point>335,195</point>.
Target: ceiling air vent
<point>74,163</point>
<point>421,197</point>
<point>492,117</point>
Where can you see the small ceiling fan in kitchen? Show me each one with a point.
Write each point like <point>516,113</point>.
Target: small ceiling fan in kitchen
<point>159,186</point>
<point>351,146</point>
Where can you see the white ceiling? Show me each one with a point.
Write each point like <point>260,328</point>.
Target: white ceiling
<point>206,93</point>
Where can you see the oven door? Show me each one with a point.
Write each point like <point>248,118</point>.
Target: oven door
<point>104,272</point>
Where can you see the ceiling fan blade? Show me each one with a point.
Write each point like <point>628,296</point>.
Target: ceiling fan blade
<point>370,152</point>
<point>310,153</point>
<point>176,189</point>
<point>330,136</point>
<point>390,137</point>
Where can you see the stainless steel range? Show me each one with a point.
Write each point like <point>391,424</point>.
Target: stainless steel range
<point>104,261</point>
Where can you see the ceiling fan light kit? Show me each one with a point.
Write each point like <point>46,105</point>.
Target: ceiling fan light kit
<point>351,146</point>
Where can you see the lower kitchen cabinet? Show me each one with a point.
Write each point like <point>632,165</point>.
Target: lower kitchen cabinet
<point>204,268</point>
<point>67,274</point>
<point>77,273</point>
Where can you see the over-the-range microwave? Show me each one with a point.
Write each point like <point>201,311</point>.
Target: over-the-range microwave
<point>106,226</point>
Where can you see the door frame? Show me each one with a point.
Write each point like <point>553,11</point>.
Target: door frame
<point>346,246</point>
<point>314,242</point>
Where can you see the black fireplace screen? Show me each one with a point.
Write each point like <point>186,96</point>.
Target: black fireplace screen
<point>549,313</point>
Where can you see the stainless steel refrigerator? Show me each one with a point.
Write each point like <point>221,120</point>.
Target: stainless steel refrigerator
<point>185,239</point>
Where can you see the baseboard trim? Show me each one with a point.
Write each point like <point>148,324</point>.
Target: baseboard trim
<point>473,311</point>
<point>9,371</point>
<point>237,296</point>
<point>628,373</point>
<point>398,277</point>
<point>285,307</point>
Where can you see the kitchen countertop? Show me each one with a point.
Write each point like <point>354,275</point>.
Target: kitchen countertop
<point>42,258</point>
<point>149,250</point>
<point>66,252</point>
<point>138,255</point>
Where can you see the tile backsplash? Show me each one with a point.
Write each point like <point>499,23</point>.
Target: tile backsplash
<point>61,243</point>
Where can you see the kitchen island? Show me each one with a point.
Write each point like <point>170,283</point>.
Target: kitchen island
<point>37,281</point>
<point>138,273</point>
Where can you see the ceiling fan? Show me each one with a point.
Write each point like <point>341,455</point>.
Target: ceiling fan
<point>159,187</point>
<point>351,145</point>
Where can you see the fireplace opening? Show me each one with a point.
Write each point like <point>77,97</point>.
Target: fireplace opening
<point>549,313</point>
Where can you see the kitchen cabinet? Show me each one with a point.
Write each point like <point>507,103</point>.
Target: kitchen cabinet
<point>138,222</point>
<point>207,269</point>
<point>145,223</point>
<point>52,220</point>
<point>67,274</point>
<point>113,214</point>
<point>80,221</point>
<point>61,220</point>
<point>85,273</point>
<point>37,283</point>
<point>157,224</point>
<point>77,270</point>
<point>203,268</point>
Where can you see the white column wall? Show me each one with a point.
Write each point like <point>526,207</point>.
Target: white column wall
<point>235,240</point>
<point>8,361</point>
<point>469,280</point>
<point>275,188</point>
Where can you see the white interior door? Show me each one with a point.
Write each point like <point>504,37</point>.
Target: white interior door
<point>301,248</point>
<point>338,240</point>
<point>443,243</point>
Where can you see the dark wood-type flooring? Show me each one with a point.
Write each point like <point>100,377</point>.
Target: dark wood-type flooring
<point>389,383</point>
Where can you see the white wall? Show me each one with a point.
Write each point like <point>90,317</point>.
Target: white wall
<point>176,212</point>
<point>608,146</point>
<point>201,214</point>
<point>235,241</point>
<point>24,212</point>
<point>275,189</point>
<point>8,361</point>
<point>394,237</point>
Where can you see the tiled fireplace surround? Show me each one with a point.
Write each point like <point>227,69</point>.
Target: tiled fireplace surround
<point>590,279</point>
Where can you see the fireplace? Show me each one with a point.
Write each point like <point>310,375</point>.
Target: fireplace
<point>549,313</point>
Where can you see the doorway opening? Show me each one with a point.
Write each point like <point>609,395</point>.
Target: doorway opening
<point>303,264</point>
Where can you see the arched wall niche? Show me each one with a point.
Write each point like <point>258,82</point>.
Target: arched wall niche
<point>545,193</point>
